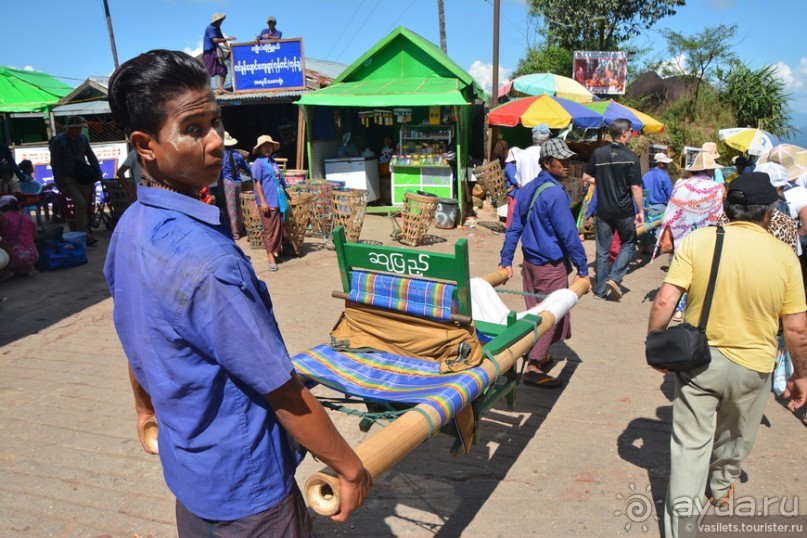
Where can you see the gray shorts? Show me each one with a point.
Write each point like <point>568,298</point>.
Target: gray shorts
<point>287,519</point>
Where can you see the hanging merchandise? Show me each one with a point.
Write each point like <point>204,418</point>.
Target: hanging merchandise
<point>434,115</point>
<point>403,115</point>
<point>364,117</point>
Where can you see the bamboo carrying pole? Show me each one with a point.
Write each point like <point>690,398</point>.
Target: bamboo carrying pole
<point>388,446</point>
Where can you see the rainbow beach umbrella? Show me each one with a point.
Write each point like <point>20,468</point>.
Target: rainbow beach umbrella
<point>612,110</point>
<point>555,112</point>
<point>749,140</point>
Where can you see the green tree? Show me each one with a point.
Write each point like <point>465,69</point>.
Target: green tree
<point>757,98</point>
<point>698,55</point>
<point>599,24</point>
<point>545,59</point>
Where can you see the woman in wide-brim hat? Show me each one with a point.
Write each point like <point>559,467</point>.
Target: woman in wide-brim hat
<point>270,196</point>
<point>696,201</point>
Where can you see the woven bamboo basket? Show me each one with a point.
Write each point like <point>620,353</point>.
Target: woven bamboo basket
<point>300,210</point>
<point>252,219</point>
<point>294,176</point>
<point>491,178</point>
<point>349,206</point>
<point>416,217</point>
<point>322,202</point>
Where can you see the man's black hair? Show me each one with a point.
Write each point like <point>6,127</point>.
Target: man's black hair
<point>747,213</point>
<point>619,127</point>
<point>544,160</point>
<point>139,89</point>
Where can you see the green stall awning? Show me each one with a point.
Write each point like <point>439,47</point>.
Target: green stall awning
<point>29,91</point>
<point>396,92</point>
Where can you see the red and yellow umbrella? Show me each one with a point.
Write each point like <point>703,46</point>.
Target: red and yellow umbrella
<point>555,112</point>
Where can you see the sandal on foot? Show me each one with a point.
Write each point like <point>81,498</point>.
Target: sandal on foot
<point>541,380</point>
<point>273,267</point>
<point>724,501</point>
<point>547,364</point>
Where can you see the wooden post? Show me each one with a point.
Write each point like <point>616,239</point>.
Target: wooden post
<point>299,164</point>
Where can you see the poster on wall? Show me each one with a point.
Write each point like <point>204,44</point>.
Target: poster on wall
<point>602,73</point>
<point>109,156</point>
<point>268,65</point>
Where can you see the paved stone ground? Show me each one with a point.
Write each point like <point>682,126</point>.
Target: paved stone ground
<point>563,463</point>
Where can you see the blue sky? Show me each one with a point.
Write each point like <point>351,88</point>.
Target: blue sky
<point>69,38</point>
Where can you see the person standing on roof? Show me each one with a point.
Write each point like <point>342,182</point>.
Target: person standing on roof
<point>271,31</point>
<point>210,49</point>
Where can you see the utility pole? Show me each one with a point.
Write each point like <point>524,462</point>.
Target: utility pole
<point>494,90</point>
<point>111,34</point>
<point>441,12</point>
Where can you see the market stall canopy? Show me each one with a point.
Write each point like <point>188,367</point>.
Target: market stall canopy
<point>640,121</point>
<point>548,84</point>
<point>403,69</point>
<point>29,91</point>
<point>555,112</point>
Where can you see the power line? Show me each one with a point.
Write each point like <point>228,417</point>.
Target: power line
<point>400,16</point>
<point>344,28</point>
<point>359,30</point>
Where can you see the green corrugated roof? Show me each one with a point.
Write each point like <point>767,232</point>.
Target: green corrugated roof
<point>402,69</point>
<point>29,91</point>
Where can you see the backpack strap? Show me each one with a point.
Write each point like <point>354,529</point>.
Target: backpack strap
<point>538,191</point>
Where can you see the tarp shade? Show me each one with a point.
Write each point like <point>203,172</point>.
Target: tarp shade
<point>403,69</point>
<point>29,91</point>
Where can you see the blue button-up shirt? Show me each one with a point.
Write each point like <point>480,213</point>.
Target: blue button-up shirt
<point>266,172</point>
<point>198,329</point>
<point>211,32</point>
<point>548,231</point>
<point>658,186</point>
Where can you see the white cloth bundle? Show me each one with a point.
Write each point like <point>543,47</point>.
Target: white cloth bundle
<point>487,306</point>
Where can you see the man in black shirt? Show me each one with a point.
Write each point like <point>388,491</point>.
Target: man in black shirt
<point>615,171</point>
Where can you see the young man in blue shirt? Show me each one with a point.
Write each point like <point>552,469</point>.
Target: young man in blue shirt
<point>544,223</point>
<point>205,353</point>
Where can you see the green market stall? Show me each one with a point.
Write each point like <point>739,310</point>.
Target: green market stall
<point>25,98</point>
<point>409,91</point>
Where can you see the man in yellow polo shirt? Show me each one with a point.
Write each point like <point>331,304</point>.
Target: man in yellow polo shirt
<point>718,407</point>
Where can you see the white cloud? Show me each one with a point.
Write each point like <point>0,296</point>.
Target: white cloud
<point>483,74</point>
<point>791,78</point>
<point>673,66</point>
<point>194,51</point>
<point>28,68</point>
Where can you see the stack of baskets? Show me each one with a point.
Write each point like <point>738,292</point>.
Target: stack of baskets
<point>252,219</point>
<point>300,211</point>
<point>349,206</point>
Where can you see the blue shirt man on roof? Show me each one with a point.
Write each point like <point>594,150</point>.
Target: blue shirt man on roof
<point>270,32</point>
<point>544,223</point>
<point>205,354</point>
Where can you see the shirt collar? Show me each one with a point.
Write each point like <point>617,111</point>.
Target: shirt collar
<point>174,201</point>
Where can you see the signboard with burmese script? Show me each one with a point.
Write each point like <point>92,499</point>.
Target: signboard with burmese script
<point>268,65</point>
